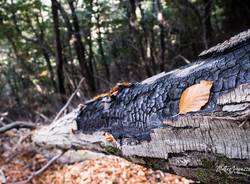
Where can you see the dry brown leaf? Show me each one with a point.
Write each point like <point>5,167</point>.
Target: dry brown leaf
<point>109,137</point>
<point>101,96</point>
<point>114,90</point>
<point>120,85</point>
<point>195,97</point>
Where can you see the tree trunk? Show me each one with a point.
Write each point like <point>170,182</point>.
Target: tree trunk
<point>162,25</point>
<point>206,23</point>
<point>80,50</point>
<point>91,59</point>
<point>145,125</point>
<point>59,57</point>
<point>70,58</point>
<point>45,52</point>
<point>101,49</point>
<point>137,37</point>
<point>49,66</point>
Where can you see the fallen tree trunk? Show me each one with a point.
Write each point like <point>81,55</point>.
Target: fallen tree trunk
<point>144,124</point>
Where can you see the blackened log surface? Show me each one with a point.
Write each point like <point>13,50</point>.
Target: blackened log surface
<point>143,106</point>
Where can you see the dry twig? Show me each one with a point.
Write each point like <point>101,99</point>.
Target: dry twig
<point>40,171</point>
<point>69,100</point>
<point>17,124</point>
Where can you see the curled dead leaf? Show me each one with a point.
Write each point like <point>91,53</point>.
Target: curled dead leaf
<point>114,90</point>
<point>195,97</point>
<point>101,96</point>
<point>118,86</point>
<point>109,137</point>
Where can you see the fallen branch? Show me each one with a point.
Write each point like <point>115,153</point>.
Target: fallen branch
<point>40,171</point>
<point>69,100</point>
<point>17,124</point>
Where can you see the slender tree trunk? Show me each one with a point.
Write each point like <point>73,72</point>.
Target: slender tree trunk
<point>80,49</point>
<point>101,50</point>
<point>134,26</point>
<point>58,46</point>
<point>133,17</point>
<point>206,23</point>
<point>91,59</point>
<point>149,36</point>
<point>45,53</point>
<point>69,34</point>
<point>10,76</point>
<point>162,24</point>
<point>49,66</point>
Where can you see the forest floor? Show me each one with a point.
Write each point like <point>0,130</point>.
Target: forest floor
<point>19,160</point>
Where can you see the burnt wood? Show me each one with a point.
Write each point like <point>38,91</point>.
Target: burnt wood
<point>138,109</point>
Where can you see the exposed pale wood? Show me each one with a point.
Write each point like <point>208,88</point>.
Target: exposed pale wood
<point>63,134</point>
<point>238,95</point>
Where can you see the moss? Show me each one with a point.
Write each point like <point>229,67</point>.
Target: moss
<point>152,165</point>
<point>112,150</point>
<point>208,173</point>
<point>208,163</point>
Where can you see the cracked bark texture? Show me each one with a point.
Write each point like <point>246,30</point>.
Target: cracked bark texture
<point>144,119</point>
<point>143,106</point>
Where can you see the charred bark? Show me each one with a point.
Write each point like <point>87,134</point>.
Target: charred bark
<point>143,106</point>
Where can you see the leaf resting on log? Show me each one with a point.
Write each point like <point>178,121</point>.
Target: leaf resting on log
<point>195,97</point>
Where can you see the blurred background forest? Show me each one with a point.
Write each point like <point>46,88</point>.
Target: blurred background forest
<point>48,46</point>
